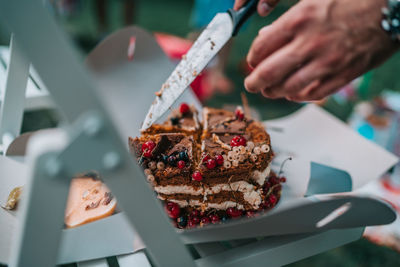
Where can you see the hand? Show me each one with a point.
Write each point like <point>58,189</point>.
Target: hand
<point>264,7</point>
<point>317,47</point>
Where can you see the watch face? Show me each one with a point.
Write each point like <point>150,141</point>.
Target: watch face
<point>391,21</point>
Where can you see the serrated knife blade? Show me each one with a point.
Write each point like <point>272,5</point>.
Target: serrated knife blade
<point>209,43</point>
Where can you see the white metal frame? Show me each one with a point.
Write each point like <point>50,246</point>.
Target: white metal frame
<point>91,141</point>
<point>19,92</point>
<point>13,99</point>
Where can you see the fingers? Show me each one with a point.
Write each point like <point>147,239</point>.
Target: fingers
<point>319,90</point>
<point>264,7</point>
<point>303,77</point>
<point>270,39</point>
<point>275,69</point>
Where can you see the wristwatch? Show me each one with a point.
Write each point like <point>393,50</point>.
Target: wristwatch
<point>391,19</point>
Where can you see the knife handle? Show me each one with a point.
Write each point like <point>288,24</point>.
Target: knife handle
<point>239,17</point>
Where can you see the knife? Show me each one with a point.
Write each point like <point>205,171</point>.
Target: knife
<point>209,43</point>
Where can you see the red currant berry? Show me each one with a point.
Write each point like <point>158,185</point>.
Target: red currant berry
<point>193,221</point>
<point>211,164</point>
<point>265,205</point>
<point>194,213</point>
<point>197,176</point>
<point>267,186</point>
<point>184,108</point>
<point>272,199</point>
<point>147,148</point>
<point>191,224</point>
<point>181,164</point>
<point>173,210</point>
<point>219,159</point>
<point>205,220</point>
<point>282,180</point>
<point>196,220</point>
<point>238,140</point>
<point>234,212</point>
<point>274,180</point>
<point>205,158</point>
<point>147,153</point>
<point>214,218</point>
<point>239,113</point>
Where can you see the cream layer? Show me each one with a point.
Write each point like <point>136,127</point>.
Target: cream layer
<point>250,195</point>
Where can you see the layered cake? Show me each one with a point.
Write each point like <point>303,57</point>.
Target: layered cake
<point>206,171</point>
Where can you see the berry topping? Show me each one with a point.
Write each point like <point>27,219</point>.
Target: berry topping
<point>182,221</point>
<point>175,121</point>
<point>224,218</point>
<point>206,158</point>
<point>205,220</point>
<point>238,140</point>
<point>172,160</point>
<point>214,218</point>
<point>282,180</point>
<point>194,213</point>
<point>184,108</point>
<point>147,148</point>
<point>181,164</point>
<point>197,176</point>
<point>219,159</point>
<point>234,212</point>
<point>239,113</point>
<point>274,180</point>
<point>272,199</point>
<point>211,164</point>
<point>267,186</point>
<point>164,159</point>
<point>173,210</point>
<point>183,156</point>
<point>193,222</point>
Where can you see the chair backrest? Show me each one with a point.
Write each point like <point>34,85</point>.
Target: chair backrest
<point>75,93</point>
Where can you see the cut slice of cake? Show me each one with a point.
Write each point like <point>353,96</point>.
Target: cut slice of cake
<point>220,167</point>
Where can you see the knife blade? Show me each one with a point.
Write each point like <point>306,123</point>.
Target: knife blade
<point>209,43</point>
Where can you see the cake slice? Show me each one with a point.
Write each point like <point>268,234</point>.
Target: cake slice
<point>220,167</point>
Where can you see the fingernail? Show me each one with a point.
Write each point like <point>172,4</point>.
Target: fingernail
<point>264,9</point>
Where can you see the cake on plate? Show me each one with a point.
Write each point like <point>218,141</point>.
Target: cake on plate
<point>210,170</point>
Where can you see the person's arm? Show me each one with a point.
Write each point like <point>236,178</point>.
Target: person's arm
<point>317,47</point>
<point>264,7</point>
